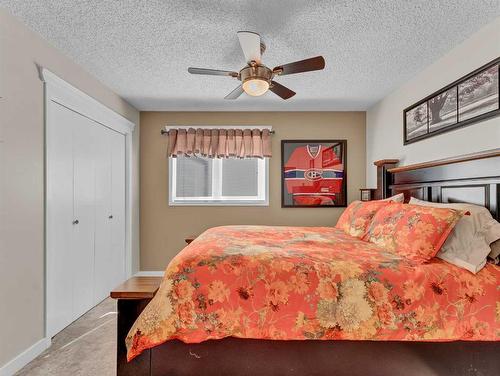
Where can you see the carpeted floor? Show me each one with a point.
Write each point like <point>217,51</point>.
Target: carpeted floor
<point>86,347</point>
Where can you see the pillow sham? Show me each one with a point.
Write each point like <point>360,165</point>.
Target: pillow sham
<point>493,237</point>
<point>357,217</point>
<point>494,255</point>
<point>413,231</point>
<point>469,243</point>
<point>400,197</point>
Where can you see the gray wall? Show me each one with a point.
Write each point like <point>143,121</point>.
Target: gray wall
<point>384,121</point>
<point>22,177</point>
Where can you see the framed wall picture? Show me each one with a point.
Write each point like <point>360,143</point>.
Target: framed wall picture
<point>416,121</point>
<point>313,173</point>
<point>479,94</point>
<point>470,99</point>
<point>443,110</point>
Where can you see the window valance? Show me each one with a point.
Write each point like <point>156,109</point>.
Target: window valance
<point>220,143</point>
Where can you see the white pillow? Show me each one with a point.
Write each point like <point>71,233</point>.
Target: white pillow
<point>400,197</point>
<point>468,244</point>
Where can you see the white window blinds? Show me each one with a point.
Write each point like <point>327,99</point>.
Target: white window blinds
<point>213,181</point>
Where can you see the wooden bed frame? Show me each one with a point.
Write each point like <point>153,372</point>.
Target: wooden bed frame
<point>472,178</point>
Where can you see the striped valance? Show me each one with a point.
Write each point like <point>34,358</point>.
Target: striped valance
<point>220,143</point>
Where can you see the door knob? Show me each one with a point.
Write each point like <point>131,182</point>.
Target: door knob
<point>76,221</point>
<point>110,217</point>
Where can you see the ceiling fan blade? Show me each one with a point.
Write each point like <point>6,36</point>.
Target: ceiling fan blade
<point>307,65</point>
<point>235,93</point>
<point>281,90</point>
<point>250,44</point>
<point>212,72</point>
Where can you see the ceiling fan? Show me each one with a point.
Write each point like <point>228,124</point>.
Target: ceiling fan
<point>256,79</point>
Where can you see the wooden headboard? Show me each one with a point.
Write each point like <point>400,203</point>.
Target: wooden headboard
<point>473,178</point>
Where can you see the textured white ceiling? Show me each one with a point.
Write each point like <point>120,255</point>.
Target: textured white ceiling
<point>141,49</point>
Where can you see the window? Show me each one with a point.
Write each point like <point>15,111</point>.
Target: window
<point>213,181</point>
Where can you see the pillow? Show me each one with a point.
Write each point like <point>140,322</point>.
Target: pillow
<point>493,237</point>
<point>357,217</point>
<point>400,197</point>
<point>494,255</point>
<point>469,243</point>
<point>413,231</point>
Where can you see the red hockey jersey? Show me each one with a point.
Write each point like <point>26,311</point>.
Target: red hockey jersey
<point>314,171</point>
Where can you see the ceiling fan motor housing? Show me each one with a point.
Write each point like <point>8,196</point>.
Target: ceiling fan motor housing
<point>256,72</point>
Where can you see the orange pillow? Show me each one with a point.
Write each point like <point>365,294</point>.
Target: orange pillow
<point>413,231</point>
<point>357,217</point>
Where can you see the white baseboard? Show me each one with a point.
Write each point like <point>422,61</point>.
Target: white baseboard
<point>25,357</point>
<point>147,273</point>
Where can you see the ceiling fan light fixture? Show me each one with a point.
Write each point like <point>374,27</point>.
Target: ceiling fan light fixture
<point>256,78</point>
<point>255,87</point>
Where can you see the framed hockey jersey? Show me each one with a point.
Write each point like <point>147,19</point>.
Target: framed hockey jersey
<point>313,173</point>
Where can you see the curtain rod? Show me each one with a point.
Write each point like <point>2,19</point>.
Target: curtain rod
<point>165,131</point>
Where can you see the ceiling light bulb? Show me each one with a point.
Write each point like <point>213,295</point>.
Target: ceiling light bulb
<point>255,87</point>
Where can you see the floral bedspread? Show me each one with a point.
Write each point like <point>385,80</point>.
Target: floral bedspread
<point>292,283</point>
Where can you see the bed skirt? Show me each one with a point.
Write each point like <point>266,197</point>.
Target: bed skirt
<point>245,357</point>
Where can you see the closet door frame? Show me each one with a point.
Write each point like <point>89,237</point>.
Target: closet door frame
<point>58,91</point>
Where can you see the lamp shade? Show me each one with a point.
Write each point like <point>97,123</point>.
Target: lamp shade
<point>255,87</point>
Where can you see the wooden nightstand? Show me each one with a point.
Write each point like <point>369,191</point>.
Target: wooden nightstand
<point>190,238</point>
<point>132,297</point>
<point>367,194</point>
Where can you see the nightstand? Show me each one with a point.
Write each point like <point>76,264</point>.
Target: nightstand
<point>132,297</point>
<point>190,238</point>
<point>367,194</point>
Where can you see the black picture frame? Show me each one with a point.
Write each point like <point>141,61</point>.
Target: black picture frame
<point>339,200</point>
<point>420,117</point>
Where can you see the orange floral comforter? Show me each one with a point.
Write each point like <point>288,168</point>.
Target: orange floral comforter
<point>290,283</point>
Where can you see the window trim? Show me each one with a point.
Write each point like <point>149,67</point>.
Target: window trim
<point>224,201</point>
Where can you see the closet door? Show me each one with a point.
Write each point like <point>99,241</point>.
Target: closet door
<point>59,217</point>
<point>117,147</point>
<point>110,212</point>
<point>103,259</point>
<point>85,214</point>
<point>82,249</point>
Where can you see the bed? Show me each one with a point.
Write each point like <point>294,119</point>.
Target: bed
<point>246,300</point>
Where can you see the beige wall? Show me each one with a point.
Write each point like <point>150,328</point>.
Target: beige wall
<point>163,228</point>
<point>384,128</point>
<point>22,177</point>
